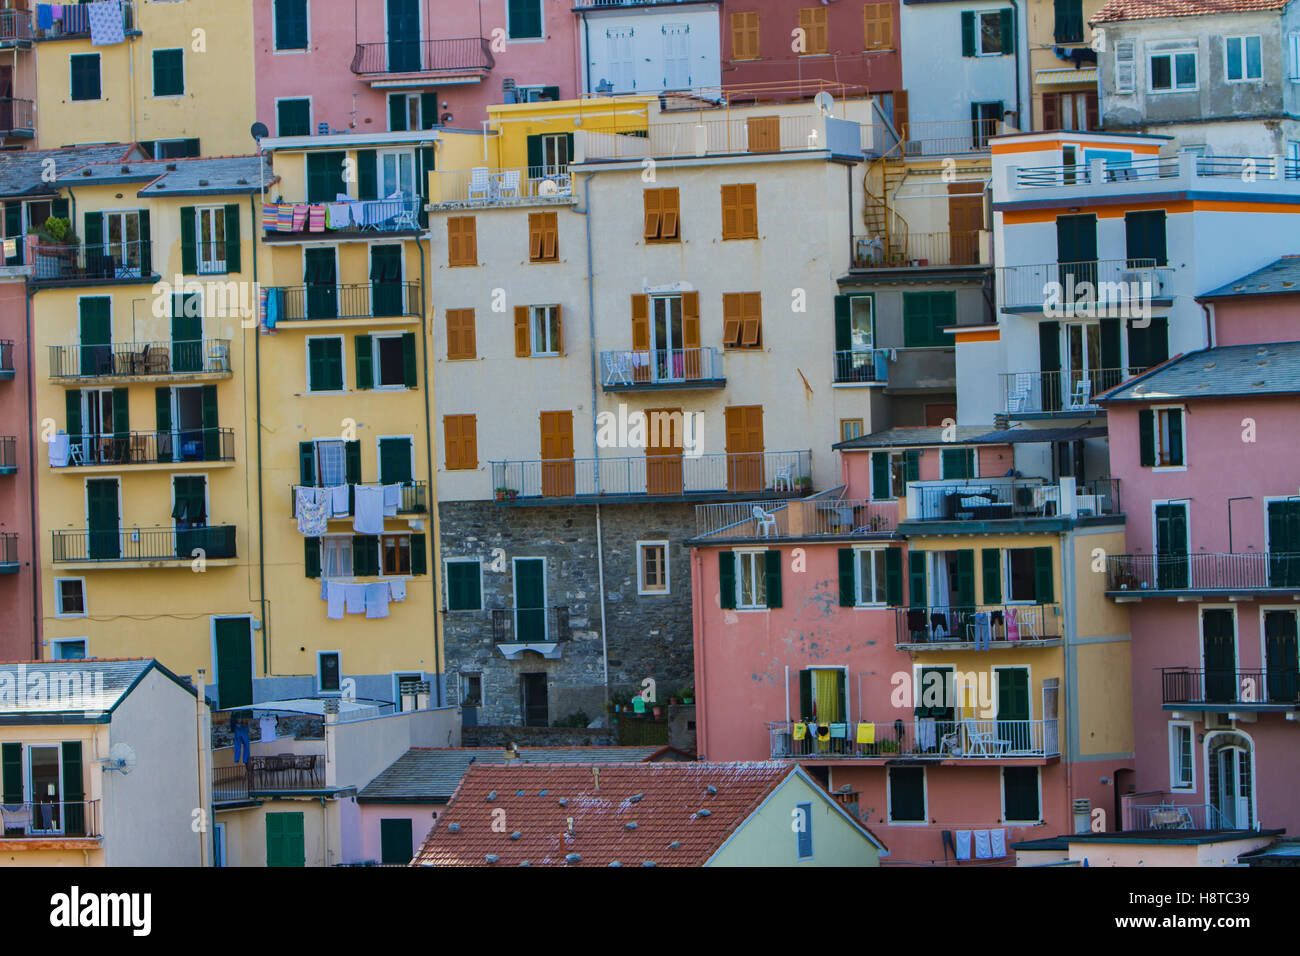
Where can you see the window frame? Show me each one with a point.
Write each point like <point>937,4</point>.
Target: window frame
<point>320,689</point>
<point>376,364</point>
<point>541,21</point>
<point>1009,578</point>
<point>216,214</point>
<point>1038,778</point>
<point>1172,52</point>
<point>99,78</point>
<point>343,362</point>
<point>340,542</point>
<point>276,49</point>
<point>293,99</point>
<point>465,325</point>
<point>806,831</point>
<point>460,688</point>
<point>395,536</point>
<point>1245,58</point>
<point>1159,431</point>
<point>1175,784</point>
<point>740,234</point>
<point>83,641</point>
<point>880,594</point>
<point>972,455</point>
<point>659,237</point>
<point>153,64</point>
<point>844,436</point>
<point>979,33</point>
<point>539,225</point>
<point>875,7</point>
<point>925,799</point>
<point>446,584</point>
<point>743,29</point>
<point>641,548</point>
<point>758,576</point>
<point>554,341</point>
<point>58,598</point>
<point>460,464</point>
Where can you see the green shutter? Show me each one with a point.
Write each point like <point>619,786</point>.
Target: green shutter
<point>94,233</point>
<point>121,415</point>
<point>1148,345</point>
<point>727,578</point>
<point>535,156</point>
<point>293,118</point>
<point>893,577</point>
<point>1110,357</point>
<point>991,559</point>
<point>409,378</point>
<point>805,695</point>
<point>14,228</point>
<point>211,432</point>
<point>1008,18</point>
<point>325,176</point>
<point>11,770</point>
<point>285,842</point>
<point>848,590</point>
<point>1020,793</point>
<point>1049,362</point>
<point>965,582</point>
<point>74,790</point>
<point>1147,437</point>
<point>395,841</point>
<point>234,648</point>
<point>428,110</point>
<point>772,562</point>
<point>880,489</point>
<point>1043,589</point>
<point>1175,419</point>
<point>365,554</point>
<point>1145,236</point>
<point>307,463</point>
<point>958,463</point>
<point>397,112</point>
<point>365,376</point>
<point>911,469</point>
<point>146,245</point>
<point>311,556</point>
<point>843,323</point>
<point>162,403</point>
<point>233,263</point>
<point>968,33</point>
<point>72,413</point>
<point>367,174</point>
<point>189,251</point>
<point>352,462</point>
<point>525,19</point>
<point>464,592</point>
<point>394,460</point>
<point>916,578</point>
<point>419,555</point>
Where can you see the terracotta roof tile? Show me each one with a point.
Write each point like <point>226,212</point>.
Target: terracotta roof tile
<point>1117,10</point>
<point>585,816</point>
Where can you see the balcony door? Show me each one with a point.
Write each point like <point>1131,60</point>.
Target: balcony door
<point>744,436</point>
<point>123,242</point>
<point>96,330</point>
<point>103,519</point>
<point>965,220</point>
<point>1171,547</point>
<point>320,276</point>
<point>103,430</point>
<point>190,513</point>
<point>535,700</point>
<point>663,453</point>
<point>1013,708</point>
<point>1083,363</point>
<point>386,280</point>
<point>403,36</point>
<point>1231,769</point>
<point>1076,249</point>
<point>1219,652</point>
<point>45,784</point>
<point>530,600</point>
<point>1284,543</point>
<point>187,334</point>
<point>1280,656</point>
<point>557,454</point>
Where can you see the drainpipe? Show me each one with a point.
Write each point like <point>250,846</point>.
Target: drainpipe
<point>1208,309</point>
<point>261,518</point>
<point>1015,26</point>
<point>31,483</point>
<point>586,49</point>
<point>204,759</point>
<point>434,541</point>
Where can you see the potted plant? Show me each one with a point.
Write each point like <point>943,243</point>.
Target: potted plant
<point>688,694</point>
<point>506,494</point>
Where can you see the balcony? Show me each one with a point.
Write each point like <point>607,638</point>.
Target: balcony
<point>1189,688</point>
<point>17,118</point>
<point>707,137</point>
<point>927,738</point>
<point>358,300</point>
<point>661,369</point>
<point>1130,577</point>
<point>182,446</point>
<point>773,474</point>
<point>463,58</point>
<point>1141,176</point>
<point>195,360</point>
<point>1060,394</point>
<point>8,553</point>
<point>485,186</point>
<point>144,546</point>
<point>541,630</point>
<point>608,4</point>
<point>413,498</point>
<point>6,360</point>
<point>75,23</point>
<point>15,29</point>
<point>805,518</point>
<point>268,774</point>
<point>8,455</point>
<point>862,367</point>
<point>920,250</point>
<point>999,499</point>
<point>47,820</point>
<point>1173,816</point>
<point>932,140</point>
<point>110,263</point>
<point>986,626</point>
<point>344,219</point>
<point>1120,288</point>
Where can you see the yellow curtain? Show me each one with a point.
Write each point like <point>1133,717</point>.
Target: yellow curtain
<point>826,690</point>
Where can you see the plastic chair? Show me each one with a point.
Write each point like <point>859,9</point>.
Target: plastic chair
<point>1082,393</point>
<point>766,523</point>
<point>479,185</point>
<point>510,184</point>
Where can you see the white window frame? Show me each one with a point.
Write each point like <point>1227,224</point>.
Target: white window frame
<point>340,543</point>
<point>535,313</point>
<point>375,365</point>
<point>979,32</point>
<point>58,598</point>
<point>1173,50</point>
<point>311,111</point>
<point>216,265</point>
<point>320,691</point>
<point>154,80</point>
<point>275,40</point>
<point>100,59</point>
<point>757,574</point>
<point>925,800</point>
<point>1175,786</point>
<point>641,548</point>
<point>400,155</point>
<point>1002,788</point>
<point>1007,578</point>
<point>343,355</point>
<point>446,585</point>
<point>877,556</point>
<point>57,641</point>
<point>1157,431</point>
<point>1243,41</point>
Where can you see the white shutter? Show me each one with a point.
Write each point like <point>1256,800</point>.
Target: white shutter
<point>1294,66</point>
<point>1126,66</point>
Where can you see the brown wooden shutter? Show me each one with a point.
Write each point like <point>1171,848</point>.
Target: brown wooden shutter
<point>1090,111</point>
<point>640,323</point>
<point>453,242</point>
<point>557,453</point>
<point>462,241</point>
<point>730,212</point>
<point>1051,111</point>
<point>551,237</point>
<point>559,331</point>
<point>900,112</point>
<point>744,36</point>
<point>460,441</point>
<point>461,340</point>
<point>652,213</point>
<point>522,340</point>
<point>764,134</point>
<point>669,205</point>
<point>748,211</point>
<point>878,19</point>
<point>744,435</point>
<point>691,333</point>
<point>535,236</point>
<point>663,458</point>
<point>732,318</point>
<point>813,22</point>
<point>752,319</point>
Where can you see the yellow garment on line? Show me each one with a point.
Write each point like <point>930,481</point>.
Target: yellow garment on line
<point>800,731</point>
<point>866,733</point>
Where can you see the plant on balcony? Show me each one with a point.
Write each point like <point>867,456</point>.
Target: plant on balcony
<point>687,694</point>
<point>803,483</point>
<point>55,230</point>
<point>506,494</point>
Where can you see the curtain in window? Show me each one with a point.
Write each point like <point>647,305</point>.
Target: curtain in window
<point>332,465</point>
<point>336,558</point>
<point>826,690</point>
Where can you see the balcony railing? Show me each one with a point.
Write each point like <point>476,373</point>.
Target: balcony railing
<point>50,819</point>
<point>862,365</point>
<point>1173,816</point>
<point>412,55</point>
<point>151,448</point>
<point>144,544</point>
<point>938,738</point>
<point>6,358</point>
<point>75,22</point>
<point>122,261</point>
<point>15,27</point>
<point>811,518</point>
<point>949,137</point>
<point>779,473</point>
<point>978,627</point>
<point>483,185</point>
<point>8,454</point>
<point>8,549</point>
<point>1073,390</point>
<point>398,214</point>
<point>1241,571</point>
<point>359,300</point>
<point>918,249</point>
<point>989,499</point>
<point>628,370</point>
<point>16,116</point>
<point>413,498</point>
<point>130,359</point>
<point>708,137</point>
<point>1102,287</point>
<point>1245,688</point>
<point>542,625</point>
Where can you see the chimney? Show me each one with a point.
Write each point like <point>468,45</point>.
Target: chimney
<point>1082,815</point>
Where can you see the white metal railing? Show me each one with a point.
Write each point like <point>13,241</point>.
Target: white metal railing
<point>706,137</point>
<point>483,184</point>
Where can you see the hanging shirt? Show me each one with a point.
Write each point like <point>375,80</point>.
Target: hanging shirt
<point>312,519</point>
<point>369,513</point>
<point>106,23</point>
<point>377,599</point>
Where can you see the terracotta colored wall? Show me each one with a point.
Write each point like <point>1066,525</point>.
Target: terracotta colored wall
<point>16,600</point>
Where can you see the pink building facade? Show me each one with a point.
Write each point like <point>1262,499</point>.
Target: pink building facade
<point>381,65</point>
<point>19,594</point>
<point>17,77</point>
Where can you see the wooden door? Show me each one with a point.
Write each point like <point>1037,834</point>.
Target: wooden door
<point>557,454</point>
<point>1281,658</point>
<point>1220,655</point>
<point>102,519</point>
<point>663,453</point>
<point>234,647</point>
<point>744,424</point>
<point>530,600</point>
<point>764,134</point>
<point>965,220</point>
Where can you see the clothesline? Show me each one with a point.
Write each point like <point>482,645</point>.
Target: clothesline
<point>344,213</point>
<point>347,597</point>
<point>369,505</point>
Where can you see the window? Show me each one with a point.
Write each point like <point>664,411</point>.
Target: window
<point>411,111</point>
<point>1182,767</point>
<point>878,21</point>
<point>68,649</point>
<point>85,76</point>
<point>386,361</point>
<point>744,36</point>
<point>1029,575</point>
<point>1172,71</point>
<point>70,597</point>
<point>652,567</point>
<point>461,343</point>
<point>464,584</point>
<point>662,215</point>
<point>907,795</point>
<point>325,364</point>
<point>336,556</point>
<point>850,428</point>
<point>291,24</point>
<point>1160,435</point>
<point>1070,111</point>
<point>543,237</point>
<point>924,316</point>
<point>870,577</point>
<point>742,320</point>
<point>1293,61</point>
<point>168,73</point>
<point>1242,59</point>
<point>395,553</point>
<point>396,841</point>
<point>210,242</point>
<point>471,690</point>
<point>462,241</point>
<point>460,441</point>
<point>891,471</point>
<point>285,841</point>
<point>958,463</point>
<point>1145,238</point>
<point>545,330</point>
<point>740,211</point>
<point>1020,795</point>
<point>1069,21</point>
<point>293,117</point>
<point>751,580</point>
<point>988,32</point>
<point>548,154</point>
<point>805,834</point>
<point>813,22</point>
<point>327,672</point>
<point>525,19</point>
<point>172,148</point>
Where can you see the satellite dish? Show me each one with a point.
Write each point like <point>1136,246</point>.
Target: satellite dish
<point>121,757</point>
<point>259,131</point>
<point>825,102</point>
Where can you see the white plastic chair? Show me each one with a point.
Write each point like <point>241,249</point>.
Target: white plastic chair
<point>619,369</point>
<point>784,476</point>
<point>510,184</point>
<point>983,742</point>
<point>479,187</point>
<point>1082,393</point>
<point>766,523</point>
<point>1019,397</point>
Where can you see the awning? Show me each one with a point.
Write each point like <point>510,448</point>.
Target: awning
<point>1064,77</point>
<point>1016,436</point>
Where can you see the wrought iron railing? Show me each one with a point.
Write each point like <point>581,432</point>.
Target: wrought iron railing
<point>628,369</point>
<point>151,448</point>
<point>15,26</point>
<point>947,738</point>
<point>810,518</point>
<point>918,249</point>
<point>130,359</point>
<point>357,300</point>
<point>541,625</point>
<point>1229,685</point>
<point>862,365</point>
<point>413,498</point>
<point>978,626</point>
<point>413,55</point>
<point>399,214</point>
<point>1121,285</point>
<point>1065,391</point>
<point>44,819</point>
<point>1202,571</point>
<point>53,262</point>
<point>985,499</point>
<point>8,548</point>
<point>484,185</point>
<point>16,115</point>
<point>945,137</point>
<point>75,21</point>
<point>144,544</point>
<point>1174,816</point>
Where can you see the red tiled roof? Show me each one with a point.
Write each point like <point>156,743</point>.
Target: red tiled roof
<point>630,813</point>
<point>1116,10</point>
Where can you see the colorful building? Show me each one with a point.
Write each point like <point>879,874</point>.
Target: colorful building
<point>630,47</point>
<point>18,571</point>
<point>17,79</point>
<point>1062,65</point>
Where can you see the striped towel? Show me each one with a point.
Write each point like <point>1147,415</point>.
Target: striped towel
<point>299,217</point>
<point>270,216</point>
<point>284,218</point>
<point>315,218</point>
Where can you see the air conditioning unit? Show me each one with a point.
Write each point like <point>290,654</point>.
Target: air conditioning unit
<point>1217,721</point>
<point>1137,277</point>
